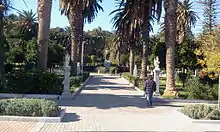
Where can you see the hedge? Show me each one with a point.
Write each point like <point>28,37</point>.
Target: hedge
<point>75,81</point>
<point>29,107</point>
<point>134,80</point>
<point>199,111</point>
<point>34,82</point>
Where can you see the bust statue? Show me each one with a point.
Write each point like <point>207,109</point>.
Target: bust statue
<point>156,62</point>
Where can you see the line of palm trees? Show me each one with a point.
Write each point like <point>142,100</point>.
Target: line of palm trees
<point>133,19</point>
<point>78,12</point>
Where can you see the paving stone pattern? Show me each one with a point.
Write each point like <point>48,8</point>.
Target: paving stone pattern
<point>109,104</point>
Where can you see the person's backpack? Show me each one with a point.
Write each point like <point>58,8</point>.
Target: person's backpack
<point>154,86</point>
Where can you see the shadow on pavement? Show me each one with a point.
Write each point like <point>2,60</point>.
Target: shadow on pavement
<point>108,101</point>
<point>70,117</point>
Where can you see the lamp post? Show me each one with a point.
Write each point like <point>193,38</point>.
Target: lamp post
<point>82,56</point>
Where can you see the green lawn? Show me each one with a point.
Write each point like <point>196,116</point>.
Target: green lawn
<point>182,93</point>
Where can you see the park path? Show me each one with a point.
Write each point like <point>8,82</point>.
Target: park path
<point>108,103</point>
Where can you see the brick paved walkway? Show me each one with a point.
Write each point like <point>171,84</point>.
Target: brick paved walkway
<point>108,104</point>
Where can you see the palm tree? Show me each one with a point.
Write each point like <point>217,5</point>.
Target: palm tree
<point>90,11</point>
<point>2,69</point>
<point>44,16</point>
<point>75,11</point>
<point>127,23</point>
<point>149,9</point>
<point>170,7</point>
<point>27,20</point>
<point>186,18</point>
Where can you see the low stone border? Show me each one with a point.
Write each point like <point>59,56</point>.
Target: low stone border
<point>40,96</point>
<point>200,121</point>
<point>191,101</point>
<point>34,119</point>
<point>78,90</point>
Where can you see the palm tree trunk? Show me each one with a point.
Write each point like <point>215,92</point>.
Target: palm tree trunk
<point>2,68</point>
<point>72,17</point>
<point>44,16</point>
<point>146,37</point>
<point>119,58</point>
<point>131,61</point>
<point>80,30</point>
<point>170,7</point>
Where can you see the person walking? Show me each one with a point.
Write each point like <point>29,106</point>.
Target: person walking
<point>149,88</point>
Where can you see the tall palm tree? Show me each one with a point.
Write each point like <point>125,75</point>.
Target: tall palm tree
<point>90,11</point>
<point>76,11</point>
<point>27,19</point>
<point>44,16</point>
<point>186,18</point>
<point>2,69</point>
<point>73,10</point>
<point>170,7</point>
<point>149,9</point>
<point>127,23</point>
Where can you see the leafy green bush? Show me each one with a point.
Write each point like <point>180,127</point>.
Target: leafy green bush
<point>199,111</point>
<point>75,81</point>
<point>199,90</point>
<point>134,80</point>
<point>113,70</point>
<point>35,82</point>
<point>85,76</point>
<point>29,107</point>
<point>181,77</point>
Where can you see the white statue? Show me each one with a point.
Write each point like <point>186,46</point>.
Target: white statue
<point>67,59</point>
<point>157,74</point>
<point>135,71</point>
<point>156,62</point>
<point>78,68</point>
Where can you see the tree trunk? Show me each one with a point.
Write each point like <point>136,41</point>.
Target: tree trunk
<point>146,37</point>
<point>219,91</point>
<point>44,16</point>
<point>2,68</point>
<point>80,27</point>
<point>170,7</point>
<point>119,58</point>
<point>72,17</point>
<point>75,20</point>
<point>131,61</point>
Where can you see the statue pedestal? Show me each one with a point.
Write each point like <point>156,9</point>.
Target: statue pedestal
<point>66,90</point>
<point>157,80</point>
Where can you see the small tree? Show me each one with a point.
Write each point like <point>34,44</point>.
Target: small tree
<point>209,49</point>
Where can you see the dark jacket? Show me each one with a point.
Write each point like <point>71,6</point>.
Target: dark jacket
<point>149,86</point>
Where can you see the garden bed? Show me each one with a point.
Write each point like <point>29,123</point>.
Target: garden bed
<point>30,110</point>
<point>200,113</point>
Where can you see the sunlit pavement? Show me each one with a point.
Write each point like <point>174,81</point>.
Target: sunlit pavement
<point>108,103</point>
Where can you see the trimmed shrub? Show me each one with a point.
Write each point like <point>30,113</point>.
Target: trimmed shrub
<point>29,107</point>
<point>113,70</point>
<point>75,81</point>
<point>199,90</point>
<point>36,82</point>
<point>85,76</point>
<point>199,111</point>
<point>134,80</point>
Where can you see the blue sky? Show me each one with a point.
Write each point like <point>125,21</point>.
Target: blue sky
<point>103,19</point>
